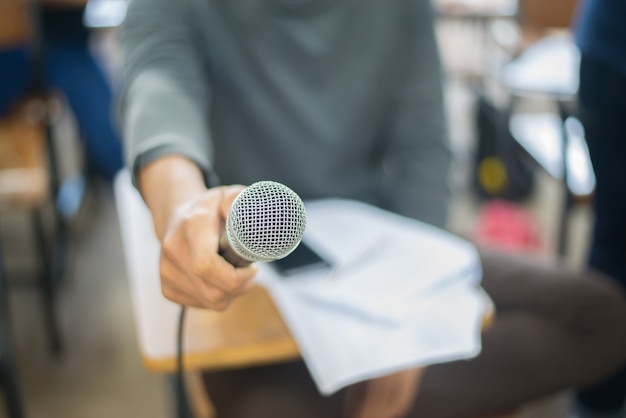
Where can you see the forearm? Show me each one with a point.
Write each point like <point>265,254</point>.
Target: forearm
<point>164,105</point>
<point>166,183</point>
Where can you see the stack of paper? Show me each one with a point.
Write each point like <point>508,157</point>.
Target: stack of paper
<point>401,294</point>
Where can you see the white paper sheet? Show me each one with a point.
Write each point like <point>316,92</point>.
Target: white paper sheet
<point>402,294</point>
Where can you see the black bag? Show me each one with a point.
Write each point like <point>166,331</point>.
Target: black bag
<point>502,169</point>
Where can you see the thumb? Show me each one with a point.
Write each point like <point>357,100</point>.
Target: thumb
<point>229,194</point>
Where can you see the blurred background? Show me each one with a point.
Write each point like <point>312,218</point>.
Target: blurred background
<point>523,181</point>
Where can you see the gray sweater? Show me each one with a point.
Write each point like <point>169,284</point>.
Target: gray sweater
<point>333,98</point>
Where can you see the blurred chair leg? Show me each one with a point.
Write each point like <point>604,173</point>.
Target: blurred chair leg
<point>8,372</point>
<point>181,400</point>
<point>52,253</point>
<point>198,397</point>
<point>48,280</point>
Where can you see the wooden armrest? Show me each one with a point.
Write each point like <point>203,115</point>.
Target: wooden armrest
<point>23,163</point>
<point>250,332</point>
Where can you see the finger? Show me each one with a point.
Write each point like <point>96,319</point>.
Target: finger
<point>353,400</point>
<point>180,298</point>
<point>405,384</point>
<point>410,388</point>
<point>203,225</point>
<point>391,396</point>
<point>176,252</point>
<point>378,399</point>
<point>202,233</point>
<point>177,282</point>
<point>374,402</point>
<point>184,299</point>
<point>215,270</point>
<point>208,275</point>
<point>229,194</point>
<point>213,295</point>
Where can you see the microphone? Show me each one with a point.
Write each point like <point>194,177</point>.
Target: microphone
<point>265,223</point>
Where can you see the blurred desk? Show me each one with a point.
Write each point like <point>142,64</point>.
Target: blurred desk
<point>105,13</point>
<point>251,332</point>
<point>25,185</point>
<point>549,68</point>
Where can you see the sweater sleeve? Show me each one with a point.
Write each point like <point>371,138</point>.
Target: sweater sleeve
<point>418,155</point>
<point>164,104</point>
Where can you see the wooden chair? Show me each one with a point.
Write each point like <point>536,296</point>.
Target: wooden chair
<point>29,173</point>
<point>546,66</point>
<point>23,165</point>
<point>25,185</point>
<point>8,372</point>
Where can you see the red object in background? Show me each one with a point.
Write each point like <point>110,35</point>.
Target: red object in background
<point>508,227</point>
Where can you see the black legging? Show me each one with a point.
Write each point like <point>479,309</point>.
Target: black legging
<point>602,109</point>
<point>554,329</point>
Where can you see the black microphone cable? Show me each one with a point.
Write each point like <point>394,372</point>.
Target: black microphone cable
<point>183,410</point>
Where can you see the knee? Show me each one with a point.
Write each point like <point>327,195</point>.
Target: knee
<point>594,307</point>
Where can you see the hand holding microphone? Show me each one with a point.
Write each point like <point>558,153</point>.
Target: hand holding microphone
<point>265,223</point>
<point>210,237</point>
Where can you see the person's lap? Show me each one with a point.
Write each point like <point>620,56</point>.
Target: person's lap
<point>553,329</point>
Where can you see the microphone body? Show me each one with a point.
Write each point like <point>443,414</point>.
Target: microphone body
<point>265,223</point>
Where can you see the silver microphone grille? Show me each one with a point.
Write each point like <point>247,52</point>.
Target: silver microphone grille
<point>266,221</point>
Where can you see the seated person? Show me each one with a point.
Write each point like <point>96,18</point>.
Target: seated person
<point>333,98</point>
<point>68,66</point>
